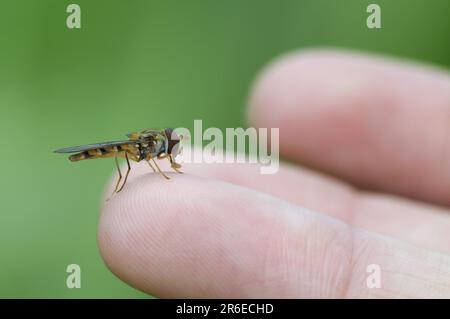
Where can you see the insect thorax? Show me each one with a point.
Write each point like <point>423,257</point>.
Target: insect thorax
<point>152,148</point>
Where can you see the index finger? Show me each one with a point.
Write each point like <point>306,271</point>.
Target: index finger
<point>199,237</point>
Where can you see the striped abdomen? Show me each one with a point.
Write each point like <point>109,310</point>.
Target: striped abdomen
<point>106,151</point>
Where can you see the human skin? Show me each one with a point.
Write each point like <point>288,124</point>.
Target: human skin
<point>380,127</point>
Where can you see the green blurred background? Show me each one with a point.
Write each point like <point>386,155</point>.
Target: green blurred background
<point>138,64</point>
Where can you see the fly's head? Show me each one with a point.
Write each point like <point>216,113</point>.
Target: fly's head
<point>173,142</point>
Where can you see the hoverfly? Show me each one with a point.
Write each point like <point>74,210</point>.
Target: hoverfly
<point>144,145</point>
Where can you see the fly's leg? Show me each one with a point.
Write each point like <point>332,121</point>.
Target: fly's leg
<point>120,175</point>
<point>175,166</point>
<point>162,156</point>
<point>118,181</point>
<point>150,164</point>
<point>159,170</point>
<point>128,171</point>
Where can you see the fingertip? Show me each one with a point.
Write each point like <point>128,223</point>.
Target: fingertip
<point>170,238</point>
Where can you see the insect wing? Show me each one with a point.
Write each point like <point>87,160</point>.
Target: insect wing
<point>88,147</point>
<point>148,133</point>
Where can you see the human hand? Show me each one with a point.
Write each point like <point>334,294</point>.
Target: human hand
<point>224,230</point>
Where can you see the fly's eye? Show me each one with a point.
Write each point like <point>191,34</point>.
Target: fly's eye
<point>174,137</point>
<point>176,149</point>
